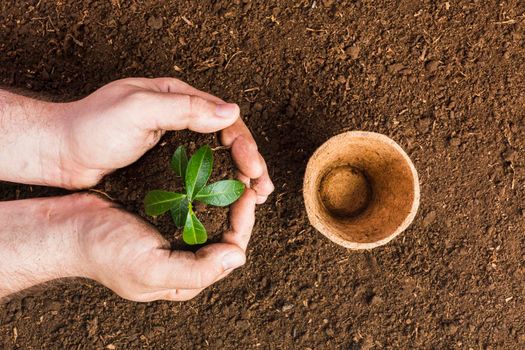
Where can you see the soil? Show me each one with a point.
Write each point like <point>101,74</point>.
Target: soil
<point>345,191</point>
<point>443,79</point>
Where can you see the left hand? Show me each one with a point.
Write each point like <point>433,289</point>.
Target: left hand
<point>130,257</point>
<point>117,124</point>
<point>82,235</point>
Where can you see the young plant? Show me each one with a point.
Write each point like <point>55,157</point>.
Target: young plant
<point>195,174</point>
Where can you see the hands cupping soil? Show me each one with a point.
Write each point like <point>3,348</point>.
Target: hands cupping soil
<point>112,128</point>
<point>136,112</point>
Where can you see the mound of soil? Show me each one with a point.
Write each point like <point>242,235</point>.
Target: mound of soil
<point>443,79</point>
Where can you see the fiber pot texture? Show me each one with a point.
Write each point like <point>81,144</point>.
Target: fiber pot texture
<point>361,189</point>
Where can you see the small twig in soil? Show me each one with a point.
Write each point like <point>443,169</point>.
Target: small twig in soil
<point>75,40</point>
<point>423,54</point>
<point>188,22</point>
<point>273,19</point>
<point>116,3</point>
<point>510,21</point>
<point>220,148</point>
<point>55,29</point>
<point>316,30</point>
<point>102,193</point>
<point>202,66</point>
<point>252,89</point>
<point>231,58</point>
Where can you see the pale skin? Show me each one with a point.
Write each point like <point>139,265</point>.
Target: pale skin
<point>73,145</point>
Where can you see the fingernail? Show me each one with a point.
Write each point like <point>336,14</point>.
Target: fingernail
<point>233,260</point>
<point>226,110</point>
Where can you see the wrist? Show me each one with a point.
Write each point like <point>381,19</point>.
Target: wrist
<point>66,169</point>
<point>38,242</point>
<point>32,138</point>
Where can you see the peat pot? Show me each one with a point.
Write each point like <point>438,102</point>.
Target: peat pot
<point>360,189</point>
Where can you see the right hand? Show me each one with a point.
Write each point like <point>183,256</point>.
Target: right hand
<point>118,123</point>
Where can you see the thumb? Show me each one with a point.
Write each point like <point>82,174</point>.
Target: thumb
<point>172,111</point>
<point>187,270</point>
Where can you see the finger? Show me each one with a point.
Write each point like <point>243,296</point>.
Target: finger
<point>249,161</point>
<point>167,84</point>
<point>246,157</point>
<point>237,136</point>
<point>263,185</point>
<point>187,270</point>
<point>237,129</point>
<point>171,111</point>
<point>242,219</point>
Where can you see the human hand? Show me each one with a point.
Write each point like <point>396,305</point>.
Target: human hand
<point>117,124</point>
<point>130,257</point>
<point>85,236</point>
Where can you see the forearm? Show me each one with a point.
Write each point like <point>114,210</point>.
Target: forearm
<point>37,243</point>
<point>32,137</point>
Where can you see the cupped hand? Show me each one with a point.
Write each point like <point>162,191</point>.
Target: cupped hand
<point>127,255</point>
<point>117,124</point>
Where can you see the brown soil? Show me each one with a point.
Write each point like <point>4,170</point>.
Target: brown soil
<point>444,79</point>
<point>345,191</point>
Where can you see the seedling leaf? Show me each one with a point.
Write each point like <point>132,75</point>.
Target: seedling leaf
<point>179,212</point>
<point>221,193</point>
<point>179,161</point>
<point>198,171</point>
<point>158,201</point>
<point>194,231</point>
<point>195,173</point>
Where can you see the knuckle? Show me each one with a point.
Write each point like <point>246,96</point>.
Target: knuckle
<point>195,103</point>
<point>264,188</point>
<point>203,279</point>
<point>125,82</point>
<point>251,194</point>
<point>185,103</point>
<point>241,236</point>
<point>137,97</point>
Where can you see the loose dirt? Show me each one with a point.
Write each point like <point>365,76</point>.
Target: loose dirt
<point>444,79</point>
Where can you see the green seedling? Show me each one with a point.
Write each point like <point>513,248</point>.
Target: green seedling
<point>195,173</point>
